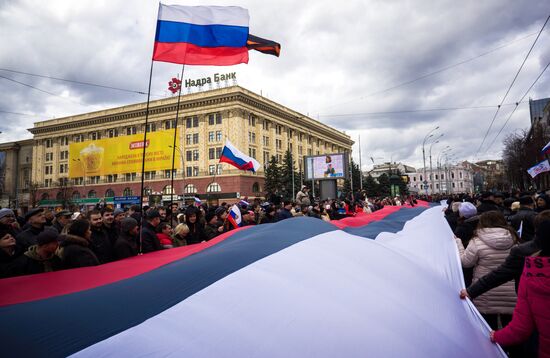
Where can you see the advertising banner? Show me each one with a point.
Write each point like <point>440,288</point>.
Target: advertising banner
<point>122,154</point>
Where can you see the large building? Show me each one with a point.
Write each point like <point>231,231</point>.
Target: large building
<point>536,108</point>
<point>444,179</point>
<point>253,124</point>
<point>15,174</point>
<point>389,168</point>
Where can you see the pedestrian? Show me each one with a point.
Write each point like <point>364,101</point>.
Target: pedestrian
<point>212,225</point>
<point>193,221</point>
<point>302,197</point>
<point>9,251</point>
<point>284,212</point>
<point>62,219</point>
<point>38,258</point>
<point>488,248</point>
<point>35,222</point>
<point>108,220</point>
<point>181,232</point>
<point>100,243</point>
<point>149,239</point>
<point>543,203</point>
<point>523,220</point>
<point>126,242</point>
<point>164,234</point>
<point>8,222</point>
<point>487,203</point>
<point>75,247</point>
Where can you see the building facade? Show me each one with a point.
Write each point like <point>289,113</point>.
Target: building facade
<point>16,187</point>
<point>254,124</point>
<point>389,168</point>
<point>445,179</point>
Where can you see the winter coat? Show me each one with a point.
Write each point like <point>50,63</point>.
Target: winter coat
<point>302,198</point>
<point>112,232</point>
<point>164,239</point>
<point>101,245</point>
<point>509,270</point>
<point>149,239</point>
<point>76,253</point>
<point>487,205</point>
<point>125,246</point>
<point>7,258</point>
<point>526,216</point>
<point>485,252</point>
<point>196,233</point>
<point>28,237</point>
<point>284,214</point>
<point>211,231</point>
<point>30,263</point>
<point>532,310</point>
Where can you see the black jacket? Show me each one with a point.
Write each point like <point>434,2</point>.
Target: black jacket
<point>527,216</point>
<point>125,246</point>
<point>30,263</point>
<point>57,226</point>
<point>149,239</point>
<point>510,269</point>
<point>76,253</point>
<point>27,238</point>
<point>196,233</point>
<point>101,245</point>
<point>6,259</point>
<point>487,205</point>
<point>112,232</point>
<point>284,214</point>
<point>211,231</point>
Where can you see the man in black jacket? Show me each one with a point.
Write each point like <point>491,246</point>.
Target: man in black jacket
<point>108,220</point>
<point>75,251</point>
<point>525,218</point>
<point>487,203</point>
<point>100,243</point>
<point>149,239</point>
<point>38,258</point>
<point>35,220</point>
<point>126,243</point>
<point>62,219</point>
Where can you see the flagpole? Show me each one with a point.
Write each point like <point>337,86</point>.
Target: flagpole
<point>360,165</point>
<point>174,147</point>
<point>143,159</point>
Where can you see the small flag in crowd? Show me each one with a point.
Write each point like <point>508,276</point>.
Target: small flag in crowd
<point>234,216</point>
<point>244,203</point>
<point>546,149</point>
<point>201,35</point>
<point>238,159</point>
<point>198,201</point>
<point>541,167</point>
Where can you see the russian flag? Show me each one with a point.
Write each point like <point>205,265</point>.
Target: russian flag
<point>546,149</point>
<point>234,216</point>
<point>296,288</point>
<point>238,159</point>
<point>201,35</point>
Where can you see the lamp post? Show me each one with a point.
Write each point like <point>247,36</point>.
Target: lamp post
<point>436,140</point>
<point>429,135</point>
<point>182,170</point>
<point>445,150</point>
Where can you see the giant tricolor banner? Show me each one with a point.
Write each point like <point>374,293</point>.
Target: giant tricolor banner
<point>378,285</point>
<point>201,35</point>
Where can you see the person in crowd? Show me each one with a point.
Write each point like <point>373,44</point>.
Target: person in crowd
<point>193,221</point>
<point>465,227</point>
<point>49,216</point>
<point>62,219</point>
<point>8,222</point>
<point>38,258</point>
<point>451,214</point>
<point>543,203</point>
<point>35,222</point>
<point>507,207</point>
<point>284,212</point>
<point>100,243</point>
<point>108,220</point>
<point>523,221</point>
<point>9,251</point>
<point>162,213</point>
<point>180,234</point>
<point>75,247</point>
<point>302,197</point>
<point>532,311</point>
<point>126,243</point>
<point>269,216</point>
<point>223,224</point>
<point>149,239</point>
<point>487,203</point>
<point>212,225</point>
<point>488,248</point>
<point>324,214</point>
<point>135,212</point>
<point>247,218</point>
<point>164,235</point>
<point>119,215</point>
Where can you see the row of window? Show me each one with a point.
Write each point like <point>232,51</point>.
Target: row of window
<point>442,176</point>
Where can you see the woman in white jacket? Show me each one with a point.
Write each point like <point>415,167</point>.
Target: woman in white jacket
<point>488,248</point>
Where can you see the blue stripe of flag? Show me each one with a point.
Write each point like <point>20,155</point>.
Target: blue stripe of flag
<point>201,35</point>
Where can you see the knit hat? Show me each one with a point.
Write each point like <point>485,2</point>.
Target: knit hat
<point>209,216</point>
<point>467,210</point>
<point>32,213</point>
<point>118,211</point>
<point>47,236</point>
<point>220,210</point>
<point>5,212</point>
<point>128,224</point>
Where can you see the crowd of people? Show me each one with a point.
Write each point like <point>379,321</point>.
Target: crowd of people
<point>44,240</point>
<point>504,246</point>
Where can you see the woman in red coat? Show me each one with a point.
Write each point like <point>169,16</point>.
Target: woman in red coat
<point>532,309</point>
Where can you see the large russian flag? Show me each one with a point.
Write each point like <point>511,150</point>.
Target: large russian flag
<point>201,35</point>
<point>298,288</point>
<point>238,159</point>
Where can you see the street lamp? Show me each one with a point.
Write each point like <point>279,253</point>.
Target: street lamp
<point>445,150</point>
<point>429,135</point>
<point>436,140</point>
<point>182,168</point>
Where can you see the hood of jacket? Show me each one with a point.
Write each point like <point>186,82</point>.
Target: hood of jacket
<point>496,238</point>
<point>32,252</point>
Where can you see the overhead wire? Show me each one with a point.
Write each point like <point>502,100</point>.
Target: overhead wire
<point>510,86</point>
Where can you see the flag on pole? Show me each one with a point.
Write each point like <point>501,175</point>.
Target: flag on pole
<point>201,35</point>
<point>541,167</point>
<point>238,159</point>
<point>198,201</point>
<point>520,230</point>
<point>264,46</point>
<point>546,149</point>
<point>234,216</point>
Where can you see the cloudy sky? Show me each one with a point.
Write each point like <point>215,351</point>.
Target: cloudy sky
<point>380,70</point>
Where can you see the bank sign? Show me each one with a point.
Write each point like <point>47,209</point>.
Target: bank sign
<point>218,77</point>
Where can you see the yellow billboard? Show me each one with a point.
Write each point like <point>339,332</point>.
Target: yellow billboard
<point>123,154</point>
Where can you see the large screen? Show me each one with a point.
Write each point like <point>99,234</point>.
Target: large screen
<point>327,166</point>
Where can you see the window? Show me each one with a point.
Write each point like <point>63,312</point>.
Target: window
<point>150,175</point>
<point>190,189</point>
<point>300,149</point>
<point>94,179</point>
<point>279,158</point>
<point>218,169</point>
<point>196,138</point>
<point>301,137</point>
<point>290,133</point>
<point>170,124</point>
<point>265,125</point>
<point>213,188</point>
<point>211,170</point>
<point>111,133</point>
<point>109,193</point>
<point>266,158</point>
<point>452,175</point>
<point>211,153</point>
<point>92,194</point>
<point>64,141</point>
<point>147,191</point>
<point>131,130</point>
<point>442,176</point>
<point>278,129</point>
<point>192,122</point>
<point>290,148</point>
<point>167,190</point>
<point>211,136</point>
<point>195,171</point>
<point>189,171</point>
<point>195,154</point>
<point>252,152</point>
<point>188,139</point>
<point>265,141</point>
<point>130,176</point>
<point>251,120</point>
<point>111,178</point>
<point>278,143</point>
<point>48,169</point>
<point>95,136</point>
<point>189,155</point>
<point>460,175</point>
<point>79,138</point>
<point>49,157</point>
<point>167,173</point>
<point>214,118</point>
<point>64,155</point>
<point>453,184</point>
<point>78,181</point>
<point>218,136</point>
<point>63,168</point>
<point>151,127</point>
<point>76,195</point>
<point>251,137</point>
<point>127,192</point>
<point>436,177</point>
<point>461,185</point>
<point>48,143</point>
<point>256,187</point>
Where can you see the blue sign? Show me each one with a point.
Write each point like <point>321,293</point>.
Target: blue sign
<point>126,199</point>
